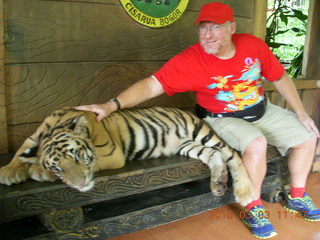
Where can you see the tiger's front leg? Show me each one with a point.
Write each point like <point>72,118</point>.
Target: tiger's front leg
<point>213,159</point>
<point>38,173</point>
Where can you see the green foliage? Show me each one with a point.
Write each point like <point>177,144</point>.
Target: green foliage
<point>286,30</point>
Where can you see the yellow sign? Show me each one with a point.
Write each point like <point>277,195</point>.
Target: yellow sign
<point>155,13</point>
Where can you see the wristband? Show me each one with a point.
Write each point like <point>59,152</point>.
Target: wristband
<point>116,102</point>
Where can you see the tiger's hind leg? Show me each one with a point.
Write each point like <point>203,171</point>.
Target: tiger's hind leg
<point>17,170</point>
<point>242,185</point>
<point>213,159</point>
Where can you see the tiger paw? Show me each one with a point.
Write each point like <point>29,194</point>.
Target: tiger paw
<point>218,188</point>
<point>218,184</point>
<point>243,191</point>
<point>40,174</point>
<point>13,174</point>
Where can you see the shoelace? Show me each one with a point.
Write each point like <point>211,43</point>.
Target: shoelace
<point>308,201</point>
<point>261,220</point>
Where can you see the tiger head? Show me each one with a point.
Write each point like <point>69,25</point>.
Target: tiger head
<point>66,150</point>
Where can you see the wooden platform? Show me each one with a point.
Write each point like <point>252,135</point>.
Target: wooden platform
<point>141,195</point>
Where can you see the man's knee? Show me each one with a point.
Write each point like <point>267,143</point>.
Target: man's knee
<point>257,146</point>
<point>309,144</point>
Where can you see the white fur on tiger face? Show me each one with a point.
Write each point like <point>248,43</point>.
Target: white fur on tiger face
<point>71,145</point>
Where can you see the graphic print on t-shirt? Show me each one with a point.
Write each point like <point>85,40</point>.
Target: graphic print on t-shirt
<point>239,94</point>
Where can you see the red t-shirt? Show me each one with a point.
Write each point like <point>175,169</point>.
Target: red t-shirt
<point>222,85</point>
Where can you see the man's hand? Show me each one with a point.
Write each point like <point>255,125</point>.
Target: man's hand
<point>139,92</point>
<point>308,123</point>
<point>102,110</point>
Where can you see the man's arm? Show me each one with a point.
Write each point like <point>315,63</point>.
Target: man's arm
<point>137,93</point>
<point>287,89</point>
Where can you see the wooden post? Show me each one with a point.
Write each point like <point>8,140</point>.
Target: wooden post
<point>3,119</point>
<point>260,18</point>
<point>311,61</point>
<point>312,50</point>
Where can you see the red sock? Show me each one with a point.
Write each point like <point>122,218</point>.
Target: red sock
<point>254,203</point>
<point>297,192</point>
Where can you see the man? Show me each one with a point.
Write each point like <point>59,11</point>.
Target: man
<point>225,71</point>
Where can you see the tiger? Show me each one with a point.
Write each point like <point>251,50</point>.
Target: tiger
<point>71,145</point>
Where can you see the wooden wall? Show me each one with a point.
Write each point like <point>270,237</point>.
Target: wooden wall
<point>65,52</point>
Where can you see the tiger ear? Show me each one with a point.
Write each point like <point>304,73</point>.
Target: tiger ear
<point>80,126</point>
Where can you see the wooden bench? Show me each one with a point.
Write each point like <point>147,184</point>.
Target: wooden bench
<point>141,195</point>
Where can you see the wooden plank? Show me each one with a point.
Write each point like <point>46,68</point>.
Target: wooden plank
<point>316,164</point>
<point>299,83</point>
<point>91,1</point>
<point>3,119</point>
<point>310,99</point>
<point>244,8</point>
<point>276,98</point>
<point>318,109</point>
<point>316,106</point>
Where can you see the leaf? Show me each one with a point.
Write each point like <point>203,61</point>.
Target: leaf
<point>284,18</point>
<point>300,15</point>
<point>277,45</point>
<point>282,31</point>
<point>301,34</point>
<point>295,29</point>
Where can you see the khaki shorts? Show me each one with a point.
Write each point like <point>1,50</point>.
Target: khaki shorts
<point>279,126</point>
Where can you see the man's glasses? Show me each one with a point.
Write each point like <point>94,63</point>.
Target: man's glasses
<point>214,29</point>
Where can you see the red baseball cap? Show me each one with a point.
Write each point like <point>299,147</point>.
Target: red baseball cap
<point>215,12</point>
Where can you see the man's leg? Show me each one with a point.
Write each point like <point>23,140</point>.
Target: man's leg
<point>249,140</point>
<point>283,130</point>
<point>300,162</point>
<point>255,161</point>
